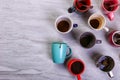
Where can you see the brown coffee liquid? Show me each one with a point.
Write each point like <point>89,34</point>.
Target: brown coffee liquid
<point>80,5</point>
<point>77,67</point>
<point>107,5</point>
<point>116,38</point>
<point>63,26</point>
<point>87,41</point>
<point>94,23</point>
<point>107,64</point>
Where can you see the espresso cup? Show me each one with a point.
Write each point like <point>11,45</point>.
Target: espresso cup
<point>106,64</point>
<point>60,52</point>
<point>97,22</point>
<point>64,24</point>
<point>80,6</point>
<point>76,67</point>
<point>88,40</point>
<point>109,7</point>
<point>114,38</point>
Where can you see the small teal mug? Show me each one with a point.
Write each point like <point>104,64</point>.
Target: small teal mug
<point>60,52</point>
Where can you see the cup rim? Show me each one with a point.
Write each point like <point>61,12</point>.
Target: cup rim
<point>71,62</point>
<point>98,14</point>
<point>113,36</point>
<point>71,22</point>
<point>107,10</point>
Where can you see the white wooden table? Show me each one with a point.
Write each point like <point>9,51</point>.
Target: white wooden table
<point>27,31</point>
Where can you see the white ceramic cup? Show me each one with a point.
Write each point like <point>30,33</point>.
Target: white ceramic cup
<point>69,25</point>
<point>97,22</point>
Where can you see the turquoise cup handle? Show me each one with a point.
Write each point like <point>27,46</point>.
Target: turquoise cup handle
<point>70,53</point>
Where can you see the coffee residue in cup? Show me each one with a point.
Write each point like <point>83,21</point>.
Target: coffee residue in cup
<point>116,38</point>
<point>63,26</point>
<point>87,41</point>
<point>77,67</point>
<point>106,64</point>
<point>82,5</point>
<point>108,5</point>
<point>94,23</point>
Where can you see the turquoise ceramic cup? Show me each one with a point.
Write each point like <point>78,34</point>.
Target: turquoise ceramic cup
<point>60,51</point>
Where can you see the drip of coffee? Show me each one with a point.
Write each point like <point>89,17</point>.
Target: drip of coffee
<point>81,5</point>
<point>94,23</point>
<point>116,38</point>
<point>63,26</point>
<point>87,41</point>
<point>107,5</point>
<point>77,67</point>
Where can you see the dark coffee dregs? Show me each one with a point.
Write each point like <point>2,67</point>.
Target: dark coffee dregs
<point>94,23</point>
<point>77,67</point>
<point>87,40</point>
<point>116,38</point>
<point>107,64</point>
<point>81,5</point>
<point>108,5</point>
<point>63,26</point>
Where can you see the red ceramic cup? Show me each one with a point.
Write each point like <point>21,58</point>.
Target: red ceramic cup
<point>109,7</point>
<point>80,6</point>
<point>76,67</point>
<point>114,39</point>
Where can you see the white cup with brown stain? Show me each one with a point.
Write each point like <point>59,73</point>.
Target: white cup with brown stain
<point>97,22</point>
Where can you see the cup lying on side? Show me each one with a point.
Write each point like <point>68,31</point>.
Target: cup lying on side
<point>60,52</point>
<point>80,6</point>
<point>64,24</point>
<point>97,22</point>
<point>76,67</point>
<point>114,38</point>
<point>109,7</point>
<point>106,64</point>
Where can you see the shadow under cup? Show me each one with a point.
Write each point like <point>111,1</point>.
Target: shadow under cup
<point>88,40</point>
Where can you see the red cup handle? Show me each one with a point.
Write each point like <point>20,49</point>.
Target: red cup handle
<point>78,77</point>
<point>111,16</point>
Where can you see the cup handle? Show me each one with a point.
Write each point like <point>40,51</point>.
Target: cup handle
<point>110,16</point>
<point>78,77</point>
<point>110,74</point>
<point>70,52</point>
<point>98,41</point>
<point>75,25</point>
<point>106,29</point>
<point>71,9</point>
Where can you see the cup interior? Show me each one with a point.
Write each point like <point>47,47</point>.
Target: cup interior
<point>87,40</point>
<point>80,5</point>
<point>77,67</point>
<point>116,38</point>
<point>63,24</point>
<point>106,63</point>
<point>109,5</point>
<point>96,21</point>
